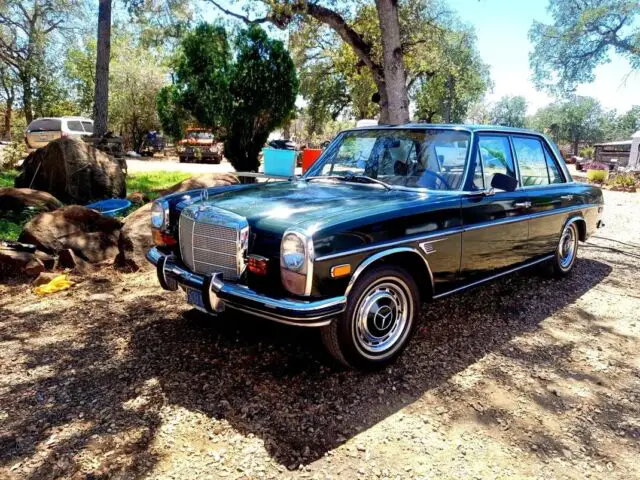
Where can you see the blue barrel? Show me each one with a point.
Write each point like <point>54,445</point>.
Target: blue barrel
<point>110,207</point>
<point>279,162</point>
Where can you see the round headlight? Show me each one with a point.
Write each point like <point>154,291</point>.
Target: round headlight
<point>293,252</point>
<point>159,215</point>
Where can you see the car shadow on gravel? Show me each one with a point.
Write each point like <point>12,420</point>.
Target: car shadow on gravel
<point>277,383</point>
<point>106,390</point>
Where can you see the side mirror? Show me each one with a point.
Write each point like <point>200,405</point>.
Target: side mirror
<point>504,182</point>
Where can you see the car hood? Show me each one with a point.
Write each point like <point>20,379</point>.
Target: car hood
<point>314,206</point>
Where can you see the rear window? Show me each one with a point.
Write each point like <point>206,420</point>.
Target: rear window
<point>75,126</point>
<point>88,126</point>
<point>45,125</point>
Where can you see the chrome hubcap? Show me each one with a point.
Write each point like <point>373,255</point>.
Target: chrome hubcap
<point>567,246</point>
<point>382,317</point>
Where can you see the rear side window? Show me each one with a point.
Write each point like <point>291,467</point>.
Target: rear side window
<point>88,126</point>
<point>75,126</point>
<point>494,156</point>
<point>45,125</point>
<point>536,165</point>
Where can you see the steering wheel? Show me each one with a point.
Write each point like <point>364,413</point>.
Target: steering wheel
<point>438,177</point>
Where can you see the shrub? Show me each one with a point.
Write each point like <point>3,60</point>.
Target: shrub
<point>587,152</point>
<point>11,155</point>
<point>597,176</point>
<point>622,180</point>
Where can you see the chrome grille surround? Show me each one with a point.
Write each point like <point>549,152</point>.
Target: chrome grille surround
<point>213,240</point>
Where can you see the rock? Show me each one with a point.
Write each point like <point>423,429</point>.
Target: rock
<point>138,198</point>
<point>73,172</point>
<point>34,267</point>
<point>16,200</point>
<point>203,181</point>
<point>67,259</point>
<point>90,235</point>
<point>13,262</point>
<point>135,239</point>
<point>44,278</point>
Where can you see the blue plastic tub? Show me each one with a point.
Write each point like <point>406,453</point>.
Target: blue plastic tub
<point>111,207</point>
<point>279,162</point>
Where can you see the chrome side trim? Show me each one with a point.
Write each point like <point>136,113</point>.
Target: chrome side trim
<point>391,243</point>
<point>456,230</point>
<point>493,277</point>
<point>362,267</point>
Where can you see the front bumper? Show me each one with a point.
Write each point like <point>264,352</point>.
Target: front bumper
<point>217,295</point>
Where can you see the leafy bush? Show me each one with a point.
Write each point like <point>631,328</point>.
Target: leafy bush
<point>597,176</point>
<point>622,180</point>
<point>586,152</point>
<point>11,155</point>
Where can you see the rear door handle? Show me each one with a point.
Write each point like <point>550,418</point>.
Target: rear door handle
<point>566,197</point>
<point>522,204</point>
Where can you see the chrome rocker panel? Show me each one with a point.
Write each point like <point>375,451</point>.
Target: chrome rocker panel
<point>217,295</point>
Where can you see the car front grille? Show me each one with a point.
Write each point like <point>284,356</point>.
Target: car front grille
<point>213,240</point>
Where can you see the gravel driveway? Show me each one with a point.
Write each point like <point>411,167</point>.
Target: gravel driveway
<point>525,377</point>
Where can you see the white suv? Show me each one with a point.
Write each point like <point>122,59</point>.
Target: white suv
<point>43,130</point>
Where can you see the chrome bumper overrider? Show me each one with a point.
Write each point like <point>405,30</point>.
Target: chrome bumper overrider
<point>216,295</point>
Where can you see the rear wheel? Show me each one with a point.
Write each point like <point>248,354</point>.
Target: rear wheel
<point>567,251</point>
<point>378,322</point>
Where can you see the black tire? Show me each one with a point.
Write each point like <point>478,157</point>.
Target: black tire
<point>182,159</point>
<point>566,252</point>
<point>389,290</point>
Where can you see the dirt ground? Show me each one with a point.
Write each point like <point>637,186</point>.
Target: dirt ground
<point>525,377</point>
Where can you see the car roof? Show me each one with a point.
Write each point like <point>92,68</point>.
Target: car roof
<point>452,126</point>
<point>84,119</point>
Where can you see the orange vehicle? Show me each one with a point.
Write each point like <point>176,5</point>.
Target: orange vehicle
<point>199,146</point>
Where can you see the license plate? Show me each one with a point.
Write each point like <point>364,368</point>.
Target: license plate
<point>194,297</point>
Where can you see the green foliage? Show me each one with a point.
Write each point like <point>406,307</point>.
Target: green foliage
<point>7,177</point>
<point>597,176</point>
<point>582,36</point>
<point>151,183</point>
<point>625,180</point>
<point>509,111</point>
<point>171,114</point>
<point>587,152</point>
<point>575,121</point>
<point>10,230</point>
<point>136,76</point>
<point>11,155</point>
<point>202,74</point>
<point>263,90</point>
<point>459,79</point>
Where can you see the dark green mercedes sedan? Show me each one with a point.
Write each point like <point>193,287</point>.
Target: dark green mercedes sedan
<point>386,219</point>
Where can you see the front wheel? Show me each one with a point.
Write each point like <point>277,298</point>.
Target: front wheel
<point>566,252</point>
<point>378,322</point>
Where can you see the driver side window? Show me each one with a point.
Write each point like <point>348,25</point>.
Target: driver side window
<point>494,156</point>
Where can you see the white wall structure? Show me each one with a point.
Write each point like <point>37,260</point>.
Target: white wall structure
<point>634,154</point>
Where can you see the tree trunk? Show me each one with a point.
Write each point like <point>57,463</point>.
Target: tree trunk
<point>101,105</point>
<point>394,72</point>
<point>448,112</point>
<point>27,97</point>
<point>8,112</point>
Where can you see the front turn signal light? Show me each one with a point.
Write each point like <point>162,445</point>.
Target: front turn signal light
<point>340,270</point>
<point>257,264</point>
<point>162,239</point>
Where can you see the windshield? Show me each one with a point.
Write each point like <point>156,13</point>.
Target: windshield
<point>415,158</point>
<point>200,135</point>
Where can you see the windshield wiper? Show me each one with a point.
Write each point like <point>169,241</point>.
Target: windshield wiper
<point>351,178</point>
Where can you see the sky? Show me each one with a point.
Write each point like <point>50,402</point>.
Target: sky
<point>502,28</point>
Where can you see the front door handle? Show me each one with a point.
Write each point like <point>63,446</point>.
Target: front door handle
<point>522,204</point>
<point>566,197</point>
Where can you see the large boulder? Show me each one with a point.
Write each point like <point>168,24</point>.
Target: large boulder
<point>15,200</point>
<point>90,235</point>
<point>74,172</point>
<point>135,239</point>
<point>205,180</point>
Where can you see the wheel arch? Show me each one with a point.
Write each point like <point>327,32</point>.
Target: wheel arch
<point>404,257</point>
<point>581,224</point>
